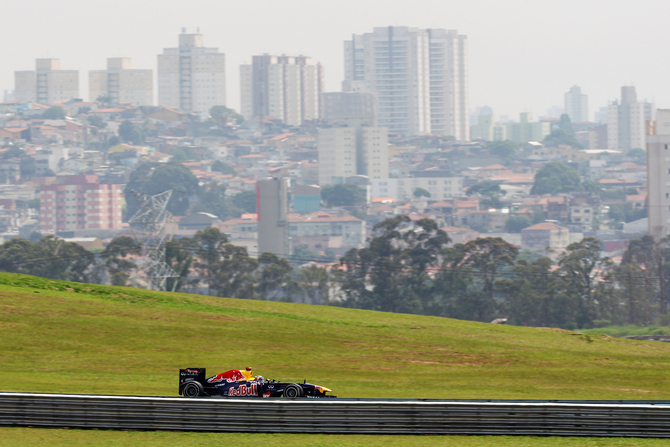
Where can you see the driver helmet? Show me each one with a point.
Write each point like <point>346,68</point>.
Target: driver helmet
<point>260,379</point>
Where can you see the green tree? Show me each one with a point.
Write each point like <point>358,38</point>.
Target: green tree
<point>420,192</point>
<point>103,101</point>
<point>18,256</point>
<point>566,125</point>
<point>638,155</point>
<point>223,168</point>
<point>586,279</point>
<point>503,149</point>
<point>555,177</point>
<point>54,113</point>
<point>274,280</point>
<point>235,273</point>
<point>208,246</point>
<point>63,260</point>
<point>343,195</point>
<point>222,113</point>
<point>118,259</point>
<point>488,258</point>
<point>534,296</point>
<point>178,256</point>
<point>96,121</point>
<point>155,178</point>
<point>213,200</point>
<point>129,133</point>
<point>517,223</point>
<point>560,136</point>
<point>391,274</point>
<point>245,200</point>
<point>314,282</point>
<point>486,189</point>
<point>491,202</point>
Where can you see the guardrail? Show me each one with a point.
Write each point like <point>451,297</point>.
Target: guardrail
<point>343,416</point>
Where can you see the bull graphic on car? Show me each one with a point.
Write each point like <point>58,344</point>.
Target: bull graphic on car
<point>193,382</point>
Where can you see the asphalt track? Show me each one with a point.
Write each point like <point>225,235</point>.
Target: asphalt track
<point>341,416</point>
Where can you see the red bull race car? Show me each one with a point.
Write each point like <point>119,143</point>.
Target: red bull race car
<point>193,382</point>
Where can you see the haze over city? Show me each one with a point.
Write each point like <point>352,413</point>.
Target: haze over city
<point>523,55</point>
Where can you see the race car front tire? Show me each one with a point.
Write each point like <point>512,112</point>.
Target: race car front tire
<point>293,391</point>
<point>193,389</point>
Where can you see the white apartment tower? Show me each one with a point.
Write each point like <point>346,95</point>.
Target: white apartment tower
<point>353,150</point>
<point>121,83</point>
<point>658,174</point>
<point>626,122</point>
<point>48,84</point>
<point>421,76</point>
<point>284,87</point>
<point>192,77</point>
<point>577,105</point>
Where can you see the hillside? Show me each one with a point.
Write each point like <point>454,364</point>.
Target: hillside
<point>79,338</point>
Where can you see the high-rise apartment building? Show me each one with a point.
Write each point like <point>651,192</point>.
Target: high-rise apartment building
<point>658,174</point>
<point>272,206</point>
<point>80,202</point>
<point>192,77</point>
<point>353,150</point>
<point>283,87</point>
<point>363,105</point>
<point>577,105</point>
<point>421,76</point>
<point>47,84</point>
<point>626,121</point>
<point>121,83</point>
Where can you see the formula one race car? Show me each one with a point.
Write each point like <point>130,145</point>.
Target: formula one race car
<point>193,382</point>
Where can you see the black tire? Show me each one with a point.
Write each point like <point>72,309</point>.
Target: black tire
<point>193,389</point>
<point>293,391</point>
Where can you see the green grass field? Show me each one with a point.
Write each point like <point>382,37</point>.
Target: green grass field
<point>77,338</point>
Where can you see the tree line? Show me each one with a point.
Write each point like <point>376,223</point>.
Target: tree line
<point>407,266</point>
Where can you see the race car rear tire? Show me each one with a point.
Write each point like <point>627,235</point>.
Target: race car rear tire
<point>193,389</point>
<point>293,391</point>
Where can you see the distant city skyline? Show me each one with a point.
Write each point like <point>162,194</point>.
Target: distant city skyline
<point>516,63</point>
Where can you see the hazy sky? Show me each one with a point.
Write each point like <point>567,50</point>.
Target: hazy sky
<point>523,54</point>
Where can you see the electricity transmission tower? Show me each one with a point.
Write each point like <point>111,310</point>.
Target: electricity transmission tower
<point>148,227</point>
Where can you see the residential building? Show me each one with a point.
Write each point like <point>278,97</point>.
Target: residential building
<point>80,202</point>
<point>486,129</point>
<point>545,235</point>
<point>626,121</point>
<point>658,174</point>
<point>272,205</point>
<point>577,105</point>
<point>580,213</point>
<point>421,76</point>
<point>338,105</point>
<point>322,230</point>
<point>352,150</point>
<point>192,77</point>
<point>47,84</point>
<point>527,130</point>
<point>317,231</point>
<point>120,83</point>
<point>440,188</point>
<point>285,87</point>
<point>306,198</point>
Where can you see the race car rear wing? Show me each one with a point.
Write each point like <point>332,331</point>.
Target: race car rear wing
<point>190,375</point>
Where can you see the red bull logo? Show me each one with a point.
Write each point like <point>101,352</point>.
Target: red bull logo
<point>244,391</point>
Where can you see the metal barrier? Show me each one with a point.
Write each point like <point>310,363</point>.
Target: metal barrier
<point>343,416</point>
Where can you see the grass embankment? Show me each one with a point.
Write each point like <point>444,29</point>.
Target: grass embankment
<point>623,331</point>
<point>78,338</point>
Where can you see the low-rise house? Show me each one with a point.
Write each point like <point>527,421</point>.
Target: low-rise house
<point>545,235</point>
<point>580,213</point>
